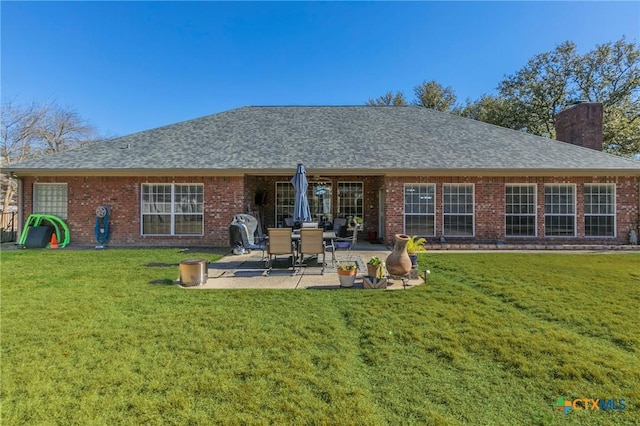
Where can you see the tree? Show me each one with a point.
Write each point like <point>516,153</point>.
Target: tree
<point>540,90</point>
<point>431,94</point>
<point>611,74</point>
<point>428,94</point>
<point>388,99</point>
<point>29,131</point>
<point>493,110</point>
<point>530,99</point>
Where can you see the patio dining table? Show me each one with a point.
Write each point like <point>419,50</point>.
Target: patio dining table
<point>326,235</point>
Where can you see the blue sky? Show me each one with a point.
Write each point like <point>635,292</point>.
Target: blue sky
<point>132,66</point>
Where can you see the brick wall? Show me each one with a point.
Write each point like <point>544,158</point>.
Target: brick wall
<point>581,125</point>
<point>489,207</point>
<point>225,196</point>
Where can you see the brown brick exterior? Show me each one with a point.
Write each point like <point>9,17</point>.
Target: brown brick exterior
<point>225,196</point>
<point>489,207</point>
<point>581,125</point>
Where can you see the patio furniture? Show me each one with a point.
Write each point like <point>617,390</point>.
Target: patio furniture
<point>312,243</point>
<point>344,243</point>
<point>309,225</point>
<point>338,223</point>
<point>280,243</point>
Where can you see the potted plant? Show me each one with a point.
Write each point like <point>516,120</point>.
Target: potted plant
<point>358,222</point>
<point>375,279</point>
<point>347,273</point>
<point>414,245</point>
<point>374,267</point>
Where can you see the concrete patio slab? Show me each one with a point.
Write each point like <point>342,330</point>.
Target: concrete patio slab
<point>247,271</point>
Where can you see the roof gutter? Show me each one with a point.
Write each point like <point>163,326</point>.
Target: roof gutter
<point>334,172</point>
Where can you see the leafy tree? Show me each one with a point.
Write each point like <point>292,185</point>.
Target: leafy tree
<point>490,109</point>
<point>431,94</point>
<point>388,99</point>
<point>530,99</point>
<point>611,74</point>
<point>540,90</point>
<point>29,131</point>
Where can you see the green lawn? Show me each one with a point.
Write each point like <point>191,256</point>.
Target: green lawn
<point>101,337</point>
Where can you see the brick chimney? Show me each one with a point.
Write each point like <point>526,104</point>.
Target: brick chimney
<point>581,124</point>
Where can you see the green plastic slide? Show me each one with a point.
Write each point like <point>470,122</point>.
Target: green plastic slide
<point>61,228</point>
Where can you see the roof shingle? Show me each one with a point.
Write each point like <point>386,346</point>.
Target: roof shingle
<point>357,139</point>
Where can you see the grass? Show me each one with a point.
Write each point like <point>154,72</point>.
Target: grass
<point>102,337</point>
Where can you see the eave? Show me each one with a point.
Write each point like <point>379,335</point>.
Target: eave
<point>325,172</point>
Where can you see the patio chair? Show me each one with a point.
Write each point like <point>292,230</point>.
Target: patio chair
<point>343,243</point>
<point>338,223</point>
<point>280,243</point>
<point>312,243</point>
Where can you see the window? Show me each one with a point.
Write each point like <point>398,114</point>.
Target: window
<point>520,210</point>
<point>320,195</point>
<point>50,198</point>
<point>599,210</point>
<point>419,209</point>
<point>559,210</point>
<point>458,209</point>
<point>285,197</point>
<point>172,209</point>
<point>350,199</point>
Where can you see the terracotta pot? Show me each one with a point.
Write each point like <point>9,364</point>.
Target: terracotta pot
<point>398,262</point>
<point>373,271</point>
<point>347,278</point>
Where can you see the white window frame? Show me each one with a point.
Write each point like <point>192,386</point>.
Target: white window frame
<point>534,215</point>
<point>317,205</point>
<point>549,207</point>
<point>340,200</point>
<point>285,197</point>
<point>446,214</point>
<point>429,205</point>
<point>174,212</point>
<point>51,198</point>
<point>611,206</point>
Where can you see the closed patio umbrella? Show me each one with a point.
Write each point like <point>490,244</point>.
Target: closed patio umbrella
<point>301,211</point>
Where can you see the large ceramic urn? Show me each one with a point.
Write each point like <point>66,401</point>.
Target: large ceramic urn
<point>398,262</point>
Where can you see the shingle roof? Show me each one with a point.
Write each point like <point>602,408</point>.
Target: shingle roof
<point>347,139</point>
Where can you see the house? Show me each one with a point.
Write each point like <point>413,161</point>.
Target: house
<point>401,169</point>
